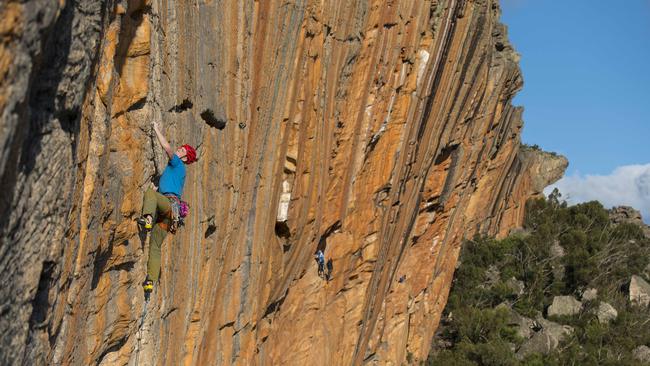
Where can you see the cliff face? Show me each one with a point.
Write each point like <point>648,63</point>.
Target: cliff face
<point>379,131</point>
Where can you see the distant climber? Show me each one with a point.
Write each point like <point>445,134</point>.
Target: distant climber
<point>330,267</point>
<point>162,210</point>
<point>320,259</point>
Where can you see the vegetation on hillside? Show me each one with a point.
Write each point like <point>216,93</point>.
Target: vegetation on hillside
<point>596,254</point>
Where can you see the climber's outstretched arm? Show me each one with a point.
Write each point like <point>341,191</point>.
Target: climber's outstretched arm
<point>163,141</point>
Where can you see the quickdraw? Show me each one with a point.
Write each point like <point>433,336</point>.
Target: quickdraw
<point>179,210</point>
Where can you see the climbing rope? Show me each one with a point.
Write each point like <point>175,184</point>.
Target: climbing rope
<point>144,314</point>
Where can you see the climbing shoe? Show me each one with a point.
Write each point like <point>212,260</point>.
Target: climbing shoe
<point>146,222</point>
<point>147,286</point>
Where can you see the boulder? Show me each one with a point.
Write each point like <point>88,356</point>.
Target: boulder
<point>642,353</point>
<point>590,294</point>
<point>558,271</point>
<point>545,340</point>
<point>639,291</point>
<point>512,347</point>
<point>541,342</point>
<point>522,324</point>
<point>564,305</point>
<point>558,331</point>
<point>556,250</point>
<point>606,313</point>
<point>517,287</point>
<point>492,276</point>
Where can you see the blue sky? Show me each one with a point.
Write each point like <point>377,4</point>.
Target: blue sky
<point>586,68</point>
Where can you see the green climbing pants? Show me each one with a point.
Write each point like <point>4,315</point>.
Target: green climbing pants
<point>155,242</point>
<point>156,204</point>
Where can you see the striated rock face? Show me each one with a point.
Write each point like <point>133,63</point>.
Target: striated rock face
<point>379,131</point>
<point>46,60</point>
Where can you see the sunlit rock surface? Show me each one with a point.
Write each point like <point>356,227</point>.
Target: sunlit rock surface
<point>379,131</point>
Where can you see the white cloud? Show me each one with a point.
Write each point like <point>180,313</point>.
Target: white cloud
<point>626,186</point>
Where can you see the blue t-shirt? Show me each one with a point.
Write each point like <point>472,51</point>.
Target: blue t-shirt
<point>173,178</point>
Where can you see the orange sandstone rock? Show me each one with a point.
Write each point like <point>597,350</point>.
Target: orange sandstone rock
<point>378,131</point>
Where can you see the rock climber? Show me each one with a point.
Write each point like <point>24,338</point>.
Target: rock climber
<point>330,268</point>
<point>157,206</point>
<point>320,258</point>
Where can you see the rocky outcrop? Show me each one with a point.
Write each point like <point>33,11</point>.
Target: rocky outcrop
<point>532,171</point>
<point>621,214</point>
<point>380,132</point>
<point>628,214</point>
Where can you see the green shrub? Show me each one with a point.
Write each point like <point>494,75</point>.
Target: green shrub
<point>599,254</point>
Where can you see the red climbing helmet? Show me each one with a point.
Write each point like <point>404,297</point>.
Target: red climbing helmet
<point>190,154</point>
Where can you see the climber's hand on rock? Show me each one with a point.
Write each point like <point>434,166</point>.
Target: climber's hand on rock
<point>155,125</point>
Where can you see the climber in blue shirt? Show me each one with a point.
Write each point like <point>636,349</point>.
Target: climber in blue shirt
<point>157,205</point>
<point>173,177</point>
